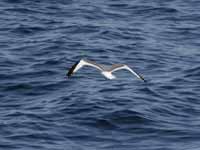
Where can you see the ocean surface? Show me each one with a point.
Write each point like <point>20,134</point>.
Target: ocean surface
<point>42,109</point>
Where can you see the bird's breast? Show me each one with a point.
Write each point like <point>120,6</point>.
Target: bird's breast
<point>108,75</point>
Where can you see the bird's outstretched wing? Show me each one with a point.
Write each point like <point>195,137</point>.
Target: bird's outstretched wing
<point>122,66</point>
<point>82,63</point>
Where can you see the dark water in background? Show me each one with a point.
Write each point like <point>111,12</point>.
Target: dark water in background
<point>41,109</point>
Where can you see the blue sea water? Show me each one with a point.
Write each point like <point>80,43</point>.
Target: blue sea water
<point>40,108</point>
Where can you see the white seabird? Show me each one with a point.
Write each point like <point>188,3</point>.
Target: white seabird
<point>104,71</point>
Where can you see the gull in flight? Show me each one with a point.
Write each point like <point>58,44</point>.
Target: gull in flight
<point>104,71</point>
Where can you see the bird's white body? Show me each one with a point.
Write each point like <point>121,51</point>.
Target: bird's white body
<point>108,75</point>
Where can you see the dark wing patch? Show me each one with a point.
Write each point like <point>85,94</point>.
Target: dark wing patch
<point>115,66</point>
<point>92,62</point>
<point>70,72</point>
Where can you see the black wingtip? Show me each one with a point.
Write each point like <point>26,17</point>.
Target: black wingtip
<point>143,79</point>
<point>70,72</point>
